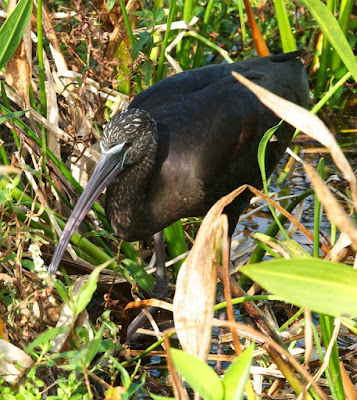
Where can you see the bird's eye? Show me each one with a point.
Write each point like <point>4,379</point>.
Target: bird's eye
<point>128,143</point>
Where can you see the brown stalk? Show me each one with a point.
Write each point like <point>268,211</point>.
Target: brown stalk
<point>278,207</point>
<point>262,48</point>
<point>177,384</point>
<point>276,351</point>
<point>226,285</point>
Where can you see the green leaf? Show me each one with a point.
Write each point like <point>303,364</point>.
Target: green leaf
<point>14,114</point>
<point>88,289</point>
<point>198,375</point>
<point>333,32</point>
<point>110,4</point>
<point>46,337</point>
<point>62,291</point>
<point>156,397</point>
<point>159,15</point>
<point>319,285</point>
<point>135,387</point>
<point>12,30</point>
<point>75,363</point>
<point>147,71</point>
<point>293,248</point>
<point>94,345</point>
<point>125,377</point>
<point>144,14</point>
<point>176,243</point>
<point>144,38</point>
<point>4,196</point>
<point>287,37</point>
<point>140,276</point>
<point>237,375</point>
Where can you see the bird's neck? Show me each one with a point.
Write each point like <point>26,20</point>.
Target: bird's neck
<point>126,195</point>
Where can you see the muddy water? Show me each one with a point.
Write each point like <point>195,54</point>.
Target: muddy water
<point>296,183</point>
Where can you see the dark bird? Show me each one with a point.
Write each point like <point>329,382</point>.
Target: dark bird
<point>184,143</point>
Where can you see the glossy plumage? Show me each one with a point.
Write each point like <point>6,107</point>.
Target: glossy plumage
<point>186,142</point>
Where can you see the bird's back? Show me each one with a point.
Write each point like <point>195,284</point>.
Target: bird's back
<point>209,128</point>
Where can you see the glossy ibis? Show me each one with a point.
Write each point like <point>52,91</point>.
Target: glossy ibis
<point>184,143</point>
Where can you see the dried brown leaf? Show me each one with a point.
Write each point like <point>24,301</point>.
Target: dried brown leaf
<point>12,355</point>
<point>196,285</point>
<point>18,74</point>
<point>349,388</point>
<point>340,249</point>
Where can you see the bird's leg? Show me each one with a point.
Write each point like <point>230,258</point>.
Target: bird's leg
<point>222,314</point>
<point>161,285</point>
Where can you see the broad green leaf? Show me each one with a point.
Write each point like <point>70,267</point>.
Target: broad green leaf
<point>140,276</point>
<point>237,375</point>
<point>175,243</point>
<point>198,375</point>
<point>333,32</point>
<point>12,30</point>
<point>88,289</point>
<point>156,397</point>
<point>322,286</point>
<point>46,337</point>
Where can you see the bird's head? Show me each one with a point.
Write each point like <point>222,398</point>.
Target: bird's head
<point>126,140</point>
<point>132,133</point>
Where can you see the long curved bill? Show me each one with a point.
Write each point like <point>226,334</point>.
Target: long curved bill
<point>108,167</point>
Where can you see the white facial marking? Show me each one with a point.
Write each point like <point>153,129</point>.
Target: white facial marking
<point>113,150</point>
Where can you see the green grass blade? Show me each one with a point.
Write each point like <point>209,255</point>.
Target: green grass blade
<point>131,38</point>
<point>200,47</point>
<point>12,30</point>
<point>333,32</point>
<point>346,7</point>
<point>207,42</point>
<point>172,14</point>
<point>327,327</point>
<point>188,6</point>
<point>241,20</point>
<point>286,35</point>
<point>317,212</point>
<point>261,161</point>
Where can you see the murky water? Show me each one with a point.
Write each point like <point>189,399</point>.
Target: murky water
<point>296,184</point>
